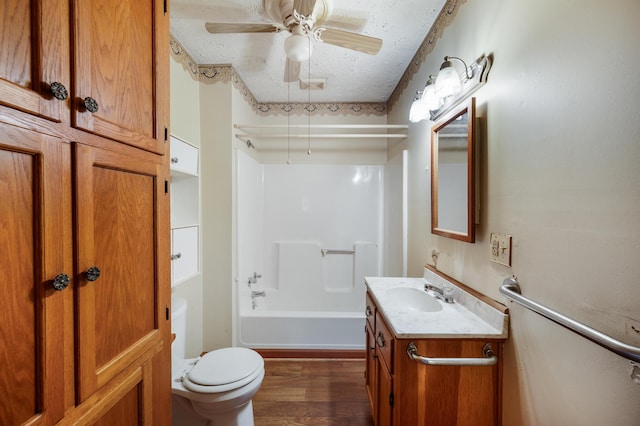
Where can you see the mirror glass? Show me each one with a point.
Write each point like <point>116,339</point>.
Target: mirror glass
<point>453,174</point>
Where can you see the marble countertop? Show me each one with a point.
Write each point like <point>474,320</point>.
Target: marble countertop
<point>467,317</point>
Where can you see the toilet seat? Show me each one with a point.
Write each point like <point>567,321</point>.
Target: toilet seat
<point>224,370</point>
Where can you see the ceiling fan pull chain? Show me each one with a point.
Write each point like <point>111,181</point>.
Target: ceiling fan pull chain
<point>309,102</point>
<point>288,123</point>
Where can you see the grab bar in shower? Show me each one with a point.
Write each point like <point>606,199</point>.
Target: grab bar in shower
<point>334,251</point>
<point>489,357</point>
<point>511,289</point>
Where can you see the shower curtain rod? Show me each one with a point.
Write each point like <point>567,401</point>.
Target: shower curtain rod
<point>322,135</point>
<point>321,126</point>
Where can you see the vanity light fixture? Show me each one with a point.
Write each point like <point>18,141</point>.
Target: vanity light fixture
<point>424,101</point>
<point>448,82</point>
<point>419,110</point>
<point>445,91</point>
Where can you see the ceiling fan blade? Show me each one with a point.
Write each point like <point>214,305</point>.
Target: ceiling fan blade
<point>353,41</point>
<point>291,71</point>
<point>304,7</point>
<point>231,28</point>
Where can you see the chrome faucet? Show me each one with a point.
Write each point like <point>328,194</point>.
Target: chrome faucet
<point>440,293</point>
<point>255,294</point>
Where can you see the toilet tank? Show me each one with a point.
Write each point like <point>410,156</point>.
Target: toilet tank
<point>179,327</point>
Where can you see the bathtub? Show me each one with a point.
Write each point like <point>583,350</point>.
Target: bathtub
<point>308,248</point>
<point>327,322</point>
<point>302,330</point>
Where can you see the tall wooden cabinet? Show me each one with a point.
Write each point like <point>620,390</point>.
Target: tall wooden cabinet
<point>115,60</point>
<point>84,217</point>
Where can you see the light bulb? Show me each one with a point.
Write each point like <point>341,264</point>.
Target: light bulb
<point>429,98</point>
<point>448,81</point>
<point>418,111</point>
<point>297,47</point>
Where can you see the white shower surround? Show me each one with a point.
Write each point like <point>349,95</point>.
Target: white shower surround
<point>285,215</point>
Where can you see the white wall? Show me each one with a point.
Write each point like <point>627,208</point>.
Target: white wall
<point>217,213</point>
<point>185,124</point>
<point>559,172</point>
<point>394,264</point>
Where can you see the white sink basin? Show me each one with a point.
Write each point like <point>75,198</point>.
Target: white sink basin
<point>411,299</point>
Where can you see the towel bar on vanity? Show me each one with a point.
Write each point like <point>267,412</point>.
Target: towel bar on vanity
<point>490,357</point>
<point>511,289</point>
<point>334,251</point>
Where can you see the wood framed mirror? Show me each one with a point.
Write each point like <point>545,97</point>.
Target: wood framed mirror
<point>453,174</point>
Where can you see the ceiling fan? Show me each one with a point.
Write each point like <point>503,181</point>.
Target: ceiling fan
<point>303,19</point>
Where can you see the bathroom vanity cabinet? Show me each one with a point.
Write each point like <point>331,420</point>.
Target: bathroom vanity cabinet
<point>84,217</point>
<point>403,391</point>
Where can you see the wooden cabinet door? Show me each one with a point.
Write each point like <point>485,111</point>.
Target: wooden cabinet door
<point>120,206</point>
<point>371,370</point>
<point>385,396</point>
<point>447,395</point>
<point>34,53</point>
<point>119,61</point>
<point>35,332</point>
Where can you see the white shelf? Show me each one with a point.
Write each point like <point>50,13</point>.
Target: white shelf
<point>184,254</point>
<point>185,211</point>
<point>184,158</point>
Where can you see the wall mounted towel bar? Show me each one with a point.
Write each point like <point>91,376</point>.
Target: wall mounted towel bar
<point>511,289</point>
<point>332,251</point>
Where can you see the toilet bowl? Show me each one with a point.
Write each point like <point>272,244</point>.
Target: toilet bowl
<point>216,388</point>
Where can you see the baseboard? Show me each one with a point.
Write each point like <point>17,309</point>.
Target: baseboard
<point>311,353</point>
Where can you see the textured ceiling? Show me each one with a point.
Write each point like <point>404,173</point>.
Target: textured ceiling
<point>350,76</point>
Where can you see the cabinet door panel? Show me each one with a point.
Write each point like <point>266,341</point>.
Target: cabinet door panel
<point>128,400</point>
<point>184,157</point>
<point>441,394</point>
<point>184,253</point>
<point>371,370</point>
<point>30,256</point>
<point>117,229</point>
<point>125,412</point>
<point>33,54</point>
<point>115,64</point>
<point>385,400</point>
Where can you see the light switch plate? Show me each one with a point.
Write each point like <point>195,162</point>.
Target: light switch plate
<point>500,247</point>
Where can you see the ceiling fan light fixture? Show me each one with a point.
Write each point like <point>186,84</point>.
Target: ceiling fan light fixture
<point>297,47</point>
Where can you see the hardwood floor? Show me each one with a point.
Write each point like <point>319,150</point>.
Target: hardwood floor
<point>312,392</point>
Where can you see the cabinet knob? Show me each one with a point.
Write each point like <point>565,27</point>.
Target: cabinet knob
<point>368,312</point>
<point>380,340</point>
<point>90,104</point>
<point>93,273</point>
<point>176,256</point>
<point>60,282</point>
<point>174,160</point>
<point>58,91</point>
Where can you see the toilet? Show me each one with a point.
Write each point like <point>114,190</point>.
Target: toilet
<point>216,388</point>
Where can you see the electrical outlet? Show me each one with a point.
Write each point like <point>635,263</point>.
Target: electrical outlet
<point>500,245</point>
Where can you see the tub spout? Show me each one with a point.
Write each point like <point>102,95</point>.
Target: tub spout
<point>255,294</point>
